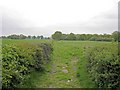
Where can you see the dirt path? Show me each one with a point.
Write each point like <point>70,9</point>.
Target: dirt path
<point>62,71</point>
<point>64,74</point>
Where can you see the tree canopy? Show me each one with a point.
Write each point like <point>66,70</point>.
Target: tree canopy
<point>91,37</point>
<point>57,35</point>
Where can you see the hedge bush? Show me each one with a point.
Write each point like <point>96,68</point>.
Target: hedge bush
<point>104,66</point>
<point>18,61</point>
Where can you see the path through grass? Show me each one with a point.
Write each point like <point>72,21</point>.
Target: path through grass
<point>66,68</point>
<point>61,72</point>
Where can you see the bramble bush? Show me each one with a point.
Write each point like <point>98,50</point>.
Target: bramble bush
<point>104,65</point>
<point>18,61</point>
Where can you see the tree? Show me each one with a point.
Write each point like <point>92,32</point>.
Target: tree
<point>64,37</point>
<point>57,35</point>
<point>21,36</point>
<point>33,37</point>
<point>29,37</point>
<point>82,36</point>
<point>3,37</point>
<point>41,37</point>
<point>116,36</point>
<point>71,36</point>
<point>14,36</point>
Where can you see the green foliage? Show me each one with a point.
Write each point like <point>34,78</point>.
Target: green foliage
<point>104,65</point>
<point>116,36</point>
<point>57,35</point>
<point>14,36</point>
<point>71,36</point>
<point>19,61</point>
<point>91,37</point>
<point>32,56</point>
<point>21,36</point>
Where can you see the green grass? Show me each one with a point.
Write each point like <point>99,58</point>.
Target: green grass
<point>67,68</point>
<point>19,41</point>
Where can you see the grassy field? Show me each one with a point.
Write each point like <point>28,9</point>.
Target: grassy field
<point>67,68</point>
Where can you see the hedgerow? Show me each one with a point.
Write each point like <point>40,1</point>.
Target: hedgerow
<point>104,66</point>
<point>18,61</point>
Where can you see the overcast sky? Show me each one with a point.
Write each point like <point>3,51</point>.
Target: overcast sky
<point>44,17</point>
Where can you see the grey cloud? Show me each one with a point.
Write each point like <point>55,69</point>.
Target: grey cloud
<point>104,23</point>
<point>15,26</point>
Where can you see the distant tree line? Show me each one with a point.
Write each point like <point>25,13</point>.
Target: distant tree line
<point>115,36</point>
<point>21,36</point>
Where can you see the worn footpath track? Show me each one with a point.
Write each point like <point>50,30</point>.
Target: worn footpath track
<point>62,70</point>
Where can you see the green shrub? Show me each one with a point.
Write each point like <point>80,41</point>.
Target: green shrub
<point>104,66</point>
<point>18,61</point>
